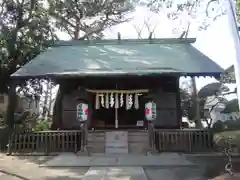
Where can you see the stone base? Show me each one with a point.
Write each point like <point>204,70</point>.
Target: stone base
<point>83,152</point>
<point>151,151</point>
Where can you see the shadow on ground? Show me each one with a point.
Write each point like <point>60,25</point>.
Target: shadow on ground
<point>67,174</point>
<point>214,167</point>
<point>13,175</point>
<point>176,173</point>
<point>26,168</point>
<point>35,159</point>
<point>46,174</point>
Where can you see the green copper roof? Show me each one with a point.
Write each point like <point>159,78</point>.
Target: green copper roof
<point>120,57</point>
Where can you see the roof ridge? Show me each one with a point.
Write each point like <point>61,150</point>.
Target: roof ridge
<point>124,41</point>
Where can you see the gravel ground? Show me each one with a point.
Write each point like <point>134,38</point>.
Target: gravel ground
<point>208,168</point>
<point>26,168</point>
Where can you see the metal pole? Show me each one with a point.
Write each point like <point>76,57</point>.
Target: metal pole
<point>116,118</point>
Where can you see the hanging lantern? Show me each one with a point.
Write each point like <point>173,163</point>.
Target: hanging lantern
<point>82,111</point>
<point>150,111</point>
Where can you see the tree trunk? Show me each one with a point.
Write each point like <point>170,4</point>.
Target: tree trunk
<point>196,101</point>
<point>12,102</point>
<point>50,102</point>
<point>57,111</point>
<point>45,103</point>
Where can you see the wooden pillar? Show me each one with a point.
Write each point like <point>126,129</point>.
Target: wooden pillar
<point>89,100</point>
<point>178,104</point>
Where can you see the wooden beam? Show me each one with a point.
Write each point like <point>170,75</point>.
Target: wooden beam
<point>118,91</point>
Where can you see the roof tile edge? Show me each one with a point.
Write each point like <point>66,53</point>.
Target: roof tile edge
<point>124,41</point>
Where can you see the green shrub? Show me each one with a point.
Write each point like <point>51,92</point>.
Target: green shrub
<point>42,124</point>
<point>234,135</point>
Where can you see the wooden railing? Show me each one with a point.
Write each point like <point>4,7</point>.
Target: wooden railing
<point>183,140</point>
<point>4,134</point>
<point>49,142</point>
<point>45,142</point>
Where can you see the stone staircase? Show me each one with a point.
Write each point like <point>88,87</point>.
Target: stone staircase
<point>96,142</point>
<point>137,142</point>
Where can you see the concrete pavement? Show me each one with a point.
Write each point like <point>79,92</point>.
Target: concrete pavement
<point>115,173</point>
<point>17,168</point>
<point>161,160</point>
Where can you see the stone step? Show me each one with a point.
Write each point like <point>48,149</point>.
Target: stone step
<point>137,132</point>
<point>96,139</point>
<point>138,139</point>
<point>96,135</point>
<point>137,142</point>
<point>115,173</point>
<point>96,144</point>
<point>92,143</point>
<point>96,149</point>
<point>139,148</point>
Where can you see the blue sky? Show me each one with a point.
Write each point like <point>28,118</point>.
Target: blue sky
<point>215,42</point>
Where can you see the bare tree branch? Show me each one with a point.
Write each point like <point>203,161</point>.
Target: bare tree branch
<point>148,24</point>
<point>138,31</point>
